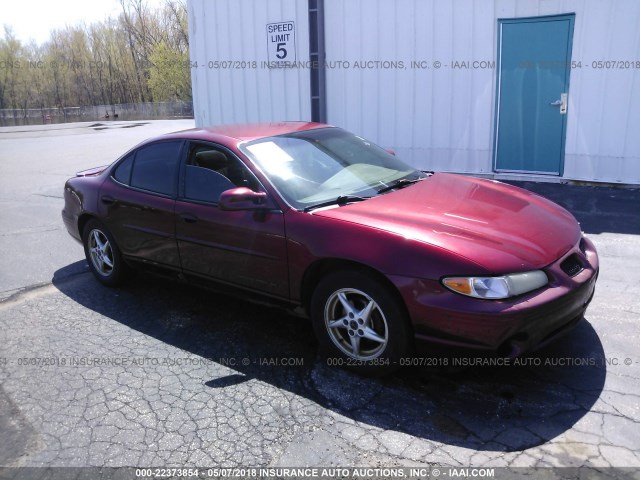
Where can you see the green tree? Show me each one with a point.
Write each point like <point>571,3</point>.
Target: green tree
<point>12,64</point>
<point>140,56</point>
<point>169,75</point>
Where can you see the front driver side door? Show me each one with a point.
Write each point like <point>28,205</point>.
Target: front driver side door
<point>242,248</point>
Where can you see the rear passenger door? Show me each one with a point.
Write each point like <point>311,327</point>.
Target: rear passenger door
<point>243,248</point>
<point>138,203</point>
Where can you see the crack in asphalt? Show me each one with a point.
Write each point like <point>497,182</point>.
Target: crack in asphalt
<point>49,196</point>
<point>30,230</point>
<point>204,411</point>
<point>9,298</point>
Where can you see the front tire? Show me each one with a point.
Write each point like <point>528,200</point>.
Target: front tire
<point>103,255</point>
<point>359,323</point>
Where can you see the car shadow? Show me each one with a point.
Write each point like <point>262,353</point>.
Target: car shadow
<point>497,408</point>
<point>598,208</point>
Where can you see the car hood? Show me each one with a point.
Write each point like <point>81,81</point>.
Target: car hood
<point>499,227</point>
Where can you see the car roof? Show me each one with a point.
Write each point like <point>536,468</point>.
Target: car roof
<point>245,132</point>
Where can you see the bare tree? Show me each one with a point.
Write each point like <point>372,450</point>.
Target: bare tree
<point>140,56</point>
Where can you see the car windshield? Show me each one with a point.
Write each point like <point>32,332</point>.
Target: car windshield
<point>316,166</point>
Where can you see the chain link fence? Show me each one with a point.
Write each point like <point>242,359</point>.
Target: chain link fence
<point>126,111</point>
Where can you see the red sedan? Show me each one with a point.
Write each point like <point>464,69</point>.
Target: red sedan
<point>378,254</point>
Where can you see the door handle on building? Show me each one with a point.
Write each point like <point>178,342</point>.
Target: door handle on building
<point>562,103</point>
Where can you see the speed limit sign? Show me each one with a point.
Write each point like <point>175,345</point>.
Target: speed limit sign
<point>281,43</point>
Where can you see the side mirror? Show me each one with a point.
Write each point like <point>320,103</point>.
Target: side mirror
<point>242,198</point>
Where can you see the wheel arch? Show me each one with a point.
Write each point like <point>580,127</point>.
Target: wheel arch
<point>321,268</point>
<point>83,219</point>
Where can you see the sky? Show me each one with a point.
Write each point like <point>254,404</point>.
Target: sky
<point>34,19</point>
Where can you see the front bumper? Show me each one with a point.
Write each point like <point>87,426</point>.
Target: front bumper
<point>509,327</point>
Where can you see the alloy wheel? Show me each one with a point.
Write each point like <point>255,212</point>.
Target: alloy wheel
<point>356,324</point>
<point>101,252</point>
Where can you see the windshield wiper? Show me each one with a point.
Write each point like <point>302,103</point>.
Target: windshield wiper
<point>403,182</point>
<point>341,200</point>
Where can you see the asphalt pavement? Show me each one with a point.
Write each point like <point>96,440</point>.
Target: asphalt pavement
<point>160,374</point>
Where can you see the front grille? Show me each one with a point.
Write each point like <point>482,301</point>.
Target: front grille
<point>572,265</point>
<point>583,246</point>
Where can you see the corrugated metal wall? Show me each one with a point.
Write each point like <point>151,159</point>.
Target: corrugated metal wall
<point>435,118</point>
<point>442,118</point>
<point>603,131</point>
<point>235,31</point>
<point>603,124</point>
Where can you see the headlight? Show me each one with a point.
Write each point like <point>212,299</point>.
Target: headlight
<point>494,288</point>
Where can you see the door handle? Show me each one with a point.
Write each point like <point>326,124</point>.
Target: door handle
<point>562,103</point>
<point>107,200</point>
<point>188,217</point>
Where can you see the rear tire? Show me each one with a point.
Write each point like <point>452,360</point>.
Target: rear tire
<point>103,255</point>
<point>359,323</point>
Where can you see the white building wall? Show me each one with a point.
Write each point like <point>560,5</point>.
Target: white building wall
<point>235,31</point>
<point>603,131</point>
<point>434,118</point>
<point>443,119</point>
<point>439,119</point>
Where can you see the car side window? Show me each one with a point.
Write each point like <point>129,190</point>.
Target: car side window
<point>210,171</point>
<point>155,167</point>
<point>123,171</point>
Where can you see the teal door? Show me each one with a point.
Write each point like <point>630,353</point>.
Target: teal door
<point>534,62</point>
